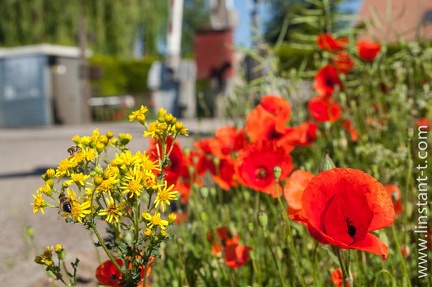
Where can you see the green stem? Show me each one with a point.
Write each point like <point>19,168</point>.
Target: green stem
<point>290,237</point>
<point>342,265</point>
<point>72,279</point>
<point>398,249</point>
<point>384,272</point>
<point>137,221</point>
<point>274,258</point>
<point>105,248</point>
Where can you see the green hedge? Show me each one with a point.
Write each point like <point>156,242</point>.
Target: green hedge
<point>120,77</point>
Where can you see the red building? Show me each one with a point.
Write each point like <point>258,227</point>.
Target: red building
<point>214,54</point>
<point>389,21</point>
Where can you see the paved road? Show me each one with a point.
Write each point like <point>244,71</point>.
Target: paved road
<point>25,154</point>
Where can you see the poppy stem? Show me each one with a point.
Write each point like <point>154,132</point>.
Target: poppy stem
<point>290,239</point>
<point>398,247</point>
<point>275,260</point>
<point>344,267</point>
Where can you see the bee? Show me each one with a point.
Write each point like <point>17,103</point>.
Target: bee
<point>65,203</point>
<point>73,149</point>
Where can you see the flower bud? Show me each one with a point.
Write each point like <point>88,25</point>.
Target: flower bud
<point>262,219</point>
<point>169,118</point>
<point>204,192</point>
<point>277,173</point>
<point>109,134</point>
<point>172,218</point>
<point>60,252</point>
<point>204,216</point>
<point>326,163</point>
<point>162,234</point>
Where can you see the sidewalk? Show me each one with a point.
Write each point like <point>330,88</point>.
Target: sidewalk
<point>25,153</point>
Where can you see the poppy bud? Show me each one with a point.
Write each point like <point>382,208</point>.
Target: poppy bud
<point>262,218</point>
<point>204,192</point>
<point>410,133</point>
<point>250,227</point>
<point>277,173</point>
<point>326,163</point>
<point>204,216</point>
<point>213,191</point>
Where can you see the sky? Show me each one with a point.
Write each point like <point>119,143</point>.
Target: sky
<point>243,34</point>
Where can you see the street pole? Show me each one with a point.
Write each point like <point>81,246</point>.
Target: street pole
<point>84,68</point>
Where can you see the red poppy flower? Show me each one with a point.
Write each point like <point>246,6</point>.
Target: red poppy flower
<point>265,131</point>
<point>236,255</point>
<point>276,106</point>
<point>255,164</point>
<point>326,80</point>
<point>192,169</point>
<point>230,140</point>
<point>395,194</point>
<point>342,205</point>
<point>347,124</point>
<point>108,275</point>
<point>424,122</point>
<point>173,170</point>
<point>226,141</point>
<point>327,42</point>
<point>405,251</point>
<point>343,62</point>
<point>368,50</point>
<point>293,190</point>
<point>223,239</point>
<point>337,278</point>
<point>224,174</point>
<point>272,111</point>
<point>302,135</point>
<point>324,110</point>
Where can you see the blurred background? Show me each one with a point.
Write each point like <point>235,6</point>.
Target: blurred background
<point>72,62</point>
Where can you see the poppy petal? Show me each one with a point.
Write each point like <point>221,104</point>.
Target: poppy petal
<point>372,244</point>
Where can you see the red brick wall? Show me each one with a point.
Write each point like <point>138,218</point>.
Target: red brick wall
<point>213,50</point>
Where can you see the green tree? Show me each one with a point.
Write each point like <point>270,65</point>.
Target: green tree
<point>195,15</point>
<point>112,25</point>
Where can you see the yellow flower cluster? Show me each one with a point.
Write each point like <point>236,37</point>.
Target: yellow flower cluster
<point>92,186</point>
<point>165,125</point>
